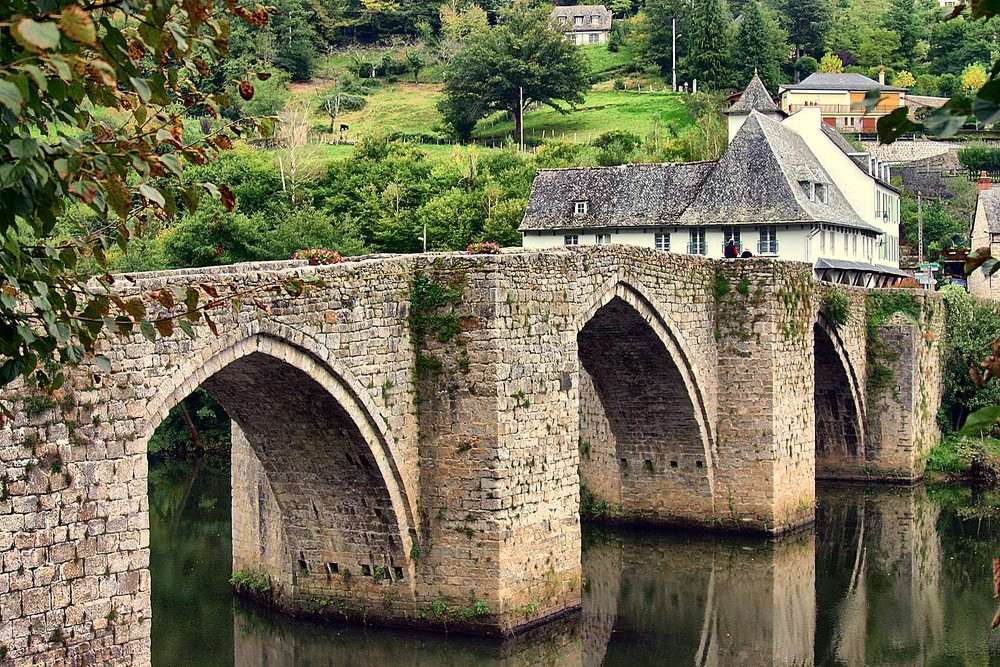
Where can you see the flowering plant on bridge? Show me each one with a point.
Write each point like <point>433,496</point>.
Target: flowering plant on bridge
<point>89,99</point>
<point>483,248</point>
<point>319,256</point>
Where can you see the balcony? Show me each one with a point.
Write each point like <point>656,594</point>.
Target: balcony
<point>767,247</point>
<point>845,109</point>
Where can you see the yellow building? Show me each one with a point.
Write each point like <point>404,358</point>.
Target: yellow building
<point>840,98</point>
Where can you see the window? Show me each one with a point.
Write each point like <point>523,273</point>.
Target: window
<point>807,187</point>
<point>846,236</point>
<point>580,207</point>
<point>855,237</point>
<point>822,240</point>
<point>696,242</point>
<point>661,241</point>
<point>564,19</point>
<point>602,239</point>
<point>594,19</point>
<point>821,193</point>
<point>577,20</point>
<point>595,38</point>
<point>731,233</point>
<point>571,239</point>
<point>768,244</point>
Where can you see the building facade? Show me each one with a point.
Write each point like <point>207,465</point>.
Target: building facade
<point>840,98</point>
<point>986,234</point>
<point>584,24</point>
<point>789,188</point>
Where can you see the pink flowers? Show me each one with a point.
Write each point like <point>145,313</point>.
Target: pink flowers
<point>319,256</point>
<point>484,248</point>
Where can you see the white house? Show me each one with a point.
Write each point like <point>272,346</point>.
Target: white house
<point>584,24</point>
<point>986,234</point>
<point>787,188</point>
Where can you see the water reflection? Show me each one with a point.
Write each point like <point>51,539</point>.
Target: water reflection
<point>890,576</point>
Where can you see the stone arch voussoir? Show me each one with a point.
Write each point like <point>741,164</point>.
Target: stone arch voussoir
<point>667,332</point>
<point>312,358</point>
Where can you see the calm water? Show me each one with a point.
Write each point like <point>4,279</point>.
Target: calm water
<point>890,576</point>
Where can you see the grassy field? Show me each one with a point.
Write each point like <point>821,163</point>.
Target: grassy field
<point>411,109</point>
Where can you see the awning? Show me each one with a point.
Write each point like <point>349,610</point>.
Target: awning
<point>824,264</point>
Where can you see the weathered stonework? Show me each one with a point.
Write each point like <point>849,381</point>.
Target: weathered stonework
<point>415,456</point>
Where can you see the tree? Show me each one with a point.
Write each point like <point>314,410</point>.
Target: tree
<point>904,19</point>
<point>973,79</point>
<point>879,47</point>
<point>761,46</point>
<point>653,36</point>
<point>86,116</point>
<point>904,79</point>
<point>808,23</point>
<point>710,46</point>
<point>523,57</point>
<point>415,62</point>
<point>831,64</point>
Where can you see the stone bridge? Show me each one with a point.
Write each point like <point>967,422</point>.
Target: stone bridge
<point>414,442</point>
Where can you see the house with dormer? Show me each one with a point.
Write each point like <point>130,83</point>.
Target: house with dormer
<point>584,24</point>
<point>786,187</point>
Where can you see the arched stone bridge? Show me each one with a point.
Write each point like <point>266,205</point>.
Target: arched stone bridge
<point>414,442</point>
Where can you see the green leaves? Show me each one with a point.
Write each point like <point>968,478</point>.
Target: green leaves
<point>39,36</point>
<point>894,125</point>
<point>10,96</point>
<point>981,420</point>
<point>76,24</point>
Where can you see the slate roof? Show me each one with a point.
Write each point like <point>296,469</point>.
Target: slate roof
<point>631,195</point>
<point>842,81</point>
<point>846,265</point>
<point>754,182</point>
<point>586,11</point>
<point>754,98</point>
<point>990,199</point>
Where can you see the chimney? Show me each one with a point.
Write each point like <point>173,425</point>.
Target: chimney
<point>984,181</point>
<point>881,75</point>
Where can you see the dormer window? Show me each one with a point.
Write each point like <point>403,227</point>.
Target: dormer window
<point>580,207</point>
<point>577,20</point>
<point>595,19</point>
<point>821,192</point>
<point>807,188</point>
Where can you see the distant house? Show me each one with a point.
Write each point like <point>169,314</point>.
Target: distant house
<point>839,97</point>
<point>986,234</point>
<point>789,188</point>
<point>584,24</point>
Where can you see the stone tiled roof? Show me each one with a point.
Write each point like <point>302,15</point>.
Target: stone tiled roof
<point>757,180</point>
<point>990,199</point>
<point>632,195</point>
<point>754,98</point>
<point>841,81</point>
<point>586,11</point>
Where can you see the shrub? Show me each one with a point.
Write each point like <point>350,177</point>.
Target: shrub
<point>837,307</point>
<point>319,256</point>
<point>980,157</point>
<point>483,248</point>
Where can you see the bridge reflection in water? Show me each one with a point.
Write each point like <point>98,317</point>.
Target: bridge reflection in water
<point>887,577</point>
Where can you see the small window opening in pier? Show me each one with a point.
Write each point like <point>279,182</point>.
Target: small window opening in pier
<point>623,463</point>
<point>699,464</point>
<point>648,465</point>
<point>673,464</point>
<point>332,568</point>
<point>366,570</point>
<point>303,566</point>
<point>398,572</point>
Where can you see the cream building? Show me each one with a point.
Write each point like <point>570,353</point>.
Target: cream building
<point>584,24</point>
<point>840,97</point>
<point>986,234</point>
<point>789,188</point>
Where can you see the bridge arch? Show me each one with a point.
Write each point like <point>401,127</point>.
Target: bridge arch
<point>327,467</point>
<point>840,408</point>
<point>648,447</point>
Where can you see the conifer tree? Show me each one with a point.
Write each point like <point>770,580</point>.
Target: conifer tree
<point>709,50</point>
<point>761,46</point>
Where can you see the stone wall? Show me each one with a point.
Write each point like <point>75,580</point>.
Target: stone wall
<point>414,457</point>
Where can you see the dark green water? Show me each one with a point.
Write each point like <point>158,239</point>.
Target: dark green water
<point>890,576</point>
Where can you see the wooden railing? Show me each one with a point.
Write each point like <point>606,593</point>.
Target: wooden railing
<point>844,109</point>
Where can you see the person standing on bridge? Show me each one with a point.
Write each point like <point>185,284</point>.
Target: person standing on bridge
<point>732,250</point>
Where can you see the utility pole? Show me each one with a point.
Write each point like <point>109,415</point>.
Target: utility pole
<point>520,114</point>
<point>673,65</point>
<point>920,228</point>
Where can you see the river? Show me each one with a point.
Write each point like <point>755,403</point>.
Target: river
<point>890,575</point>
